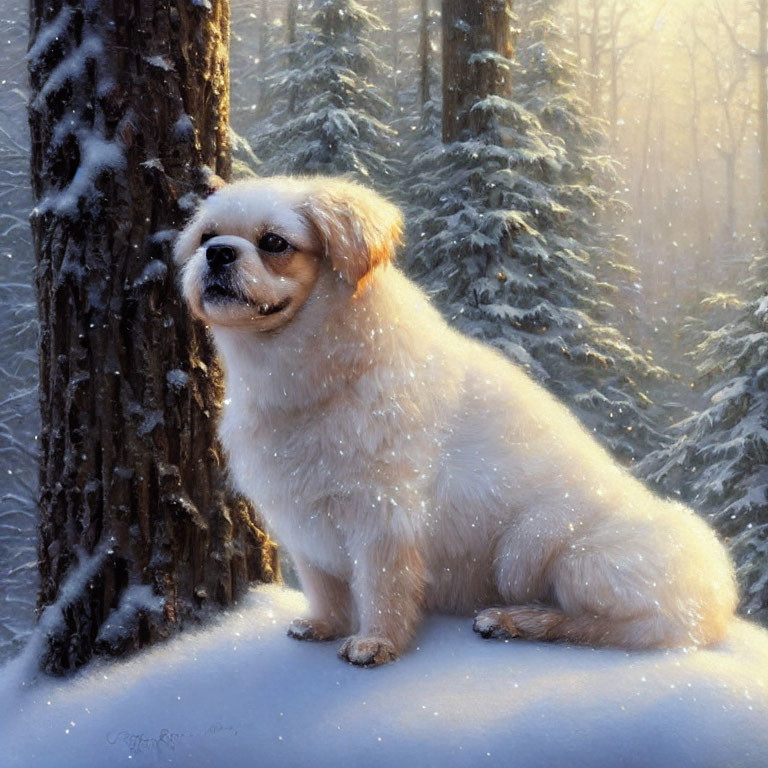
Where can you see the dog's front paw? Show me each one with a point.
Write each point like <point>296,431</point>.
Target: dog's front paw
<point>367,651</point>
<point>495,623</point>
<point>316,630</point>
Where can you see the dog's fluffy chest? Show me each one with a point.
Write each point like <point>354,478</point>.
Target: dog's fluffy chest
<point>280,468</point>
<point>312,471</point>
<point>278,462</point>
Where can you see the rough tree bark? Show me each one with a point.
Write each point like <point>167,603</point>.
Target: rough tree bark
<point>129,111</point>
<point>477,43</point>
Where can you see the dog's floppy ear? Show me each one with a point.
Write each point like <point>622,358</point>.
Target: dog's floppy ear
<point>358,229</point>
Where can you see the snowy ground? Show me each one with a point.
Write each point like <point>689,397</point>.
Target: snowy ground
<point>241,693</point>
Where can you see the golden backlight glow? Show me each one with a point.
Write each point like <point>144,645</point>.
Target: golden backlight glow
<point>677,83</point>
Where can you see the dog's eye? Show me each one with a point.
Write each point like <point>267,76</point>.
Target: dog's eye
<point>272,243</point>
<point>206,237</point>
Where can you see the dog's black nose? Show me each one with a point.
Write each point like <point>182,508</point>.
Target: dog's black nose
<point>219,256</point>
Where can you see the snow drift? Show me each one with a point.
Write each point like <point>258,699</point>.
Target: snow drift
<point>240,693</point>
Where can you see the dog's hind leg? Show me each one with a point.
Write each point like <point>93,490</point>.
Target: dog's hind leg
<point>545,623</point>
<point>584,595</point>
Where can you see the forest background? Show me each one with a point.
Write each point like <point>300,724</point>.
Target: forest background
<point>602,222</point>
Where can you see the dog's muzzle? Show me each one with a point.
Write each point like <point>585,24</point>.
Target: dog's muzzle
<point>217,283</point>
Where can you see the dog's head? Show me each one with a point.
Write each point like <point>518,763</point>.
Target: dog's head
<point>253,253</point>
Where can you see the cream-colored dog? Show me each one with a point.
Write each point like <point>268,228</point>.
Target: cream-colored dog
<point>409,468</point>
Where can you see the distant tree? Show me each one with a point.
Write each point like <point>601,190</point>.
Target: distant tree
<point>718,104</point>
<point>427,72</point>
<point>257,33</point>
<point>396,30</point>
<point>421,125</point>
<point>139,532</point>
<point>761,56</point>
<point>757,55</point>
<point>719,460</point>
<point>547,83</point>
<point>411,40</point>
<point>19,412</point>
<point>503,236</point>
<point>604,35</point>
<point>256,40</point>
<point>330,115</point>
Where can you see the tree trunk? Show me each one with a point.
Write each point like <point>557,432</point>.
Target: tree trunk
<point>614,74</point>
<point>291,21</point>
<point>643,234</point>
<point>291,13</point>
<point>128,111</point>
<point>595,53</point>
<point>702,219</point>
<point>424,53</point>
<point>262,52</point>
<point>395,55</point>
<point>729,159</point>
<point>477,43</point>
<point>577,30</point>
<point>762,108</point>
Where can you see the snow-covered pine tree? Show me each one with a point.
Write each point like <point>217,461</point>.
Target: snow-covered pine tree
<point>413,55</point>
<point>331,116</point>
<point>547,83</point>
<point>283,67</point>
<point>504,237</point>
<point>719,461</point>
<point>257,32</point>
<point>430,74</point>
<point>418,118</point>
<point>257,36</point>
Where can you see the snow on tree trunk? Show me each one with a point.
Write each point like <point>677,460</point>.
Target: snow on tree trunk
<point>477,44</point>
<point>128,112</point>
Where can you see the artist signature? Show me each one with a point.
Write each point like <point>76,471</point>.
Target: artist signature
<point>164,740</point>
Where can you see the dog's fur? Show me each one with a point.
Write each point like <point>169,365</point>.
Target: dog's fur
<point>409,468</point>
